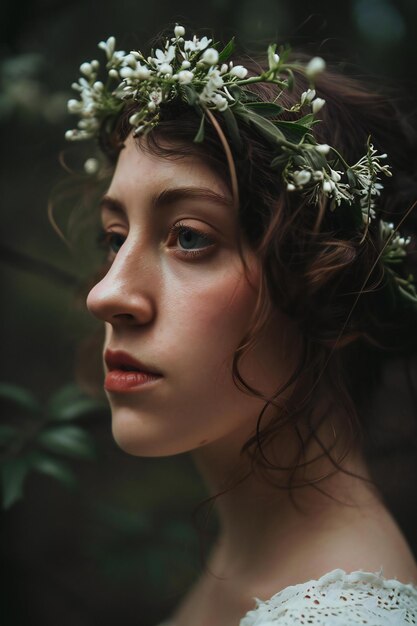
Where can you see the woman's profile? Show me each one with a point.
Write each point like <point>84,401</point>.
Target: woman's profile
<point>256,279</point>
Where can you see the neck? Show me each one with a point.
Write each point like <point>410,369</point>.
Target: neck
<point>255,514</point>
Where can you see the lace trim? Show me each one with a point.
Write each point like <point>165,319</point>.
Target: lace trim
<point>339,598</point>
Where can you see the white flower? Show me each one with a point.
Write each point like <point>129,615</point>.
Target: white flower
<point>163,57</point>
<point>301,177</point>
<point>143,72</point>
<point>185,77</point>
<point>210,56</point>
<point>317,104</point>
<point>223,68</point>
<point>291,187</point>
<point>196,44</point>
<point>335,176</point>
<point>323,148</point>
<point>134,119</point>
<point>86,69</point>
<point>219,102</point>
<point>126,72</point>
<point>239,71</point>
<point>91,166</point>
<point>108,46</point>
<point>318,175</point>
<point>308,96</point>
<point>328,186</point>
<point>315,66</point>
<point>74,106</point>
<point>113,73</point>
<point>165,68</point>
<point>179,31</point>
<point>156,96</point>
<point>185,65</point>
<point>214,82</point>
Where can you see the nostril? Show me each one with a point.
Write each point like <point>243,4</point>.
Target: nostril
<point>124,316</point>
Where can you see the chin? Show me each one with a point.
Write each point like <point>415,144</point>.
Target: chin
<point>136,438</point>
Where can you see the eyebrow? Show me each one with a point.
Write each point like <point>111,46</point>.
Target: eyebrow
<point>171,196</point>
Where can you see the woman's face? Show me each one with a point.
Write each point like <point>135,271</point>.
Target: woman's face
<point>176,299</point>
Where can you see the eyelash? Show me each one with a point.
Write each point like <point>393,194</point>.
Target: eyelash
<point>181,228</point>
<point>106,238</point>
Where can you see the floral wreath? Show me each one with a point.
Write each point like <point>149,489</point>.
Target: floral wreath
<point>194,71</point>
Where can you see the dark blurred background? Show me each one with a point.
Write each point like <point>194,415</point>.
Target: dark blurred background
<point>120,546</point>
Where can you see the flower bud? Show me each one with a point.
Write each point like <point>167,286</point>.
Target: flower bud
<point>165,68</point>
<point>328,186</point>
<point>317,104</point>
<point>315,66</point>
<point>302,177</point>
<point>91,166</point>
<point>210,56</point>
<point>74,106</point>
<point>185,77</point>
<point>86,69</point>
<point>179,31</point>
<point>239,71</point>
<point>323,148</point>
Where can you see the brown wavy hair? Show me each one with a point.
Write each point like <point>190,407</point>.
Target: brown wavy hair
<point>315,268</point>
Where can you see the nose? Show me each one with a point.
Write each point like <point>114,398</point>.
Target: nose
<point>123,295</point>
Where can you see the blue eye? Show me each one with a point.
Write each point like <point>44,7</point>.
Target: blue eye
<point>111,241</point>
<point>190,239</point>
<point>115,241</point>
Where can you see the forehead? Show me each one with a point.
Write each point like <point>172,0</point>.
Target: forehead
<point>137,168</point>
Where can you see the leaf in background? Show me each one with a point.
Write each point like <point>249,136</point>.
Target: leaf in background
<point>13,474</point>
<point>68,440</point>
<point>54,467</point>
<point>20,397</point>
<point>7,434</point>
<point>71,403</point>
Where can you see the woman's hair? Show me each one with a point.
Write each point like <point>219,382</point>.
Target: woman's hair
<point>315,268</point>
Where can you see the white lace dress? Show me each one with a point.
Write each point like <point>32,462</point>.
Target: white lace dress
<point>337,599</point>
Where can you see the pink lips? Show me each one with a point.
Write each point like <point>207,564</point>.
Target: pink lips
<point>125,373</point>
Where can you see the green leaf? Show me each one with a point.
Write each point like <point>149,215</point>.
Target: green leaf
<point>308,120</point>
<point>68,440</point>
<point>266,109</point>
<point>200,133</point>
<point>269,130</point>
<point>292,131</point>
<point>290,80</point>
<point>190,94</point>
<point>271,51</point>
<point>233,128</point>
<point>227,51</point>
<point>280,160</point>
<point>20,397</point>
<point>7,434</point>
<point>71,403</point>
<point>55,468</point>
<point>13,474</point>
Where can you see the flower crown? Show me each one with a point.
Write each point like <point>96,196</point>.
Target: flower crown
<point>194,71</point>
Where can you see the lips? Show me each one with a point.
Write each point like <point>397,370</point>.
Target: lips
<point>127,374</point>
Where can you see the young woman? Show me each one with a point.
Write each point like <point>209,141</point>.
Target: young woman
<point>255,281</point>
